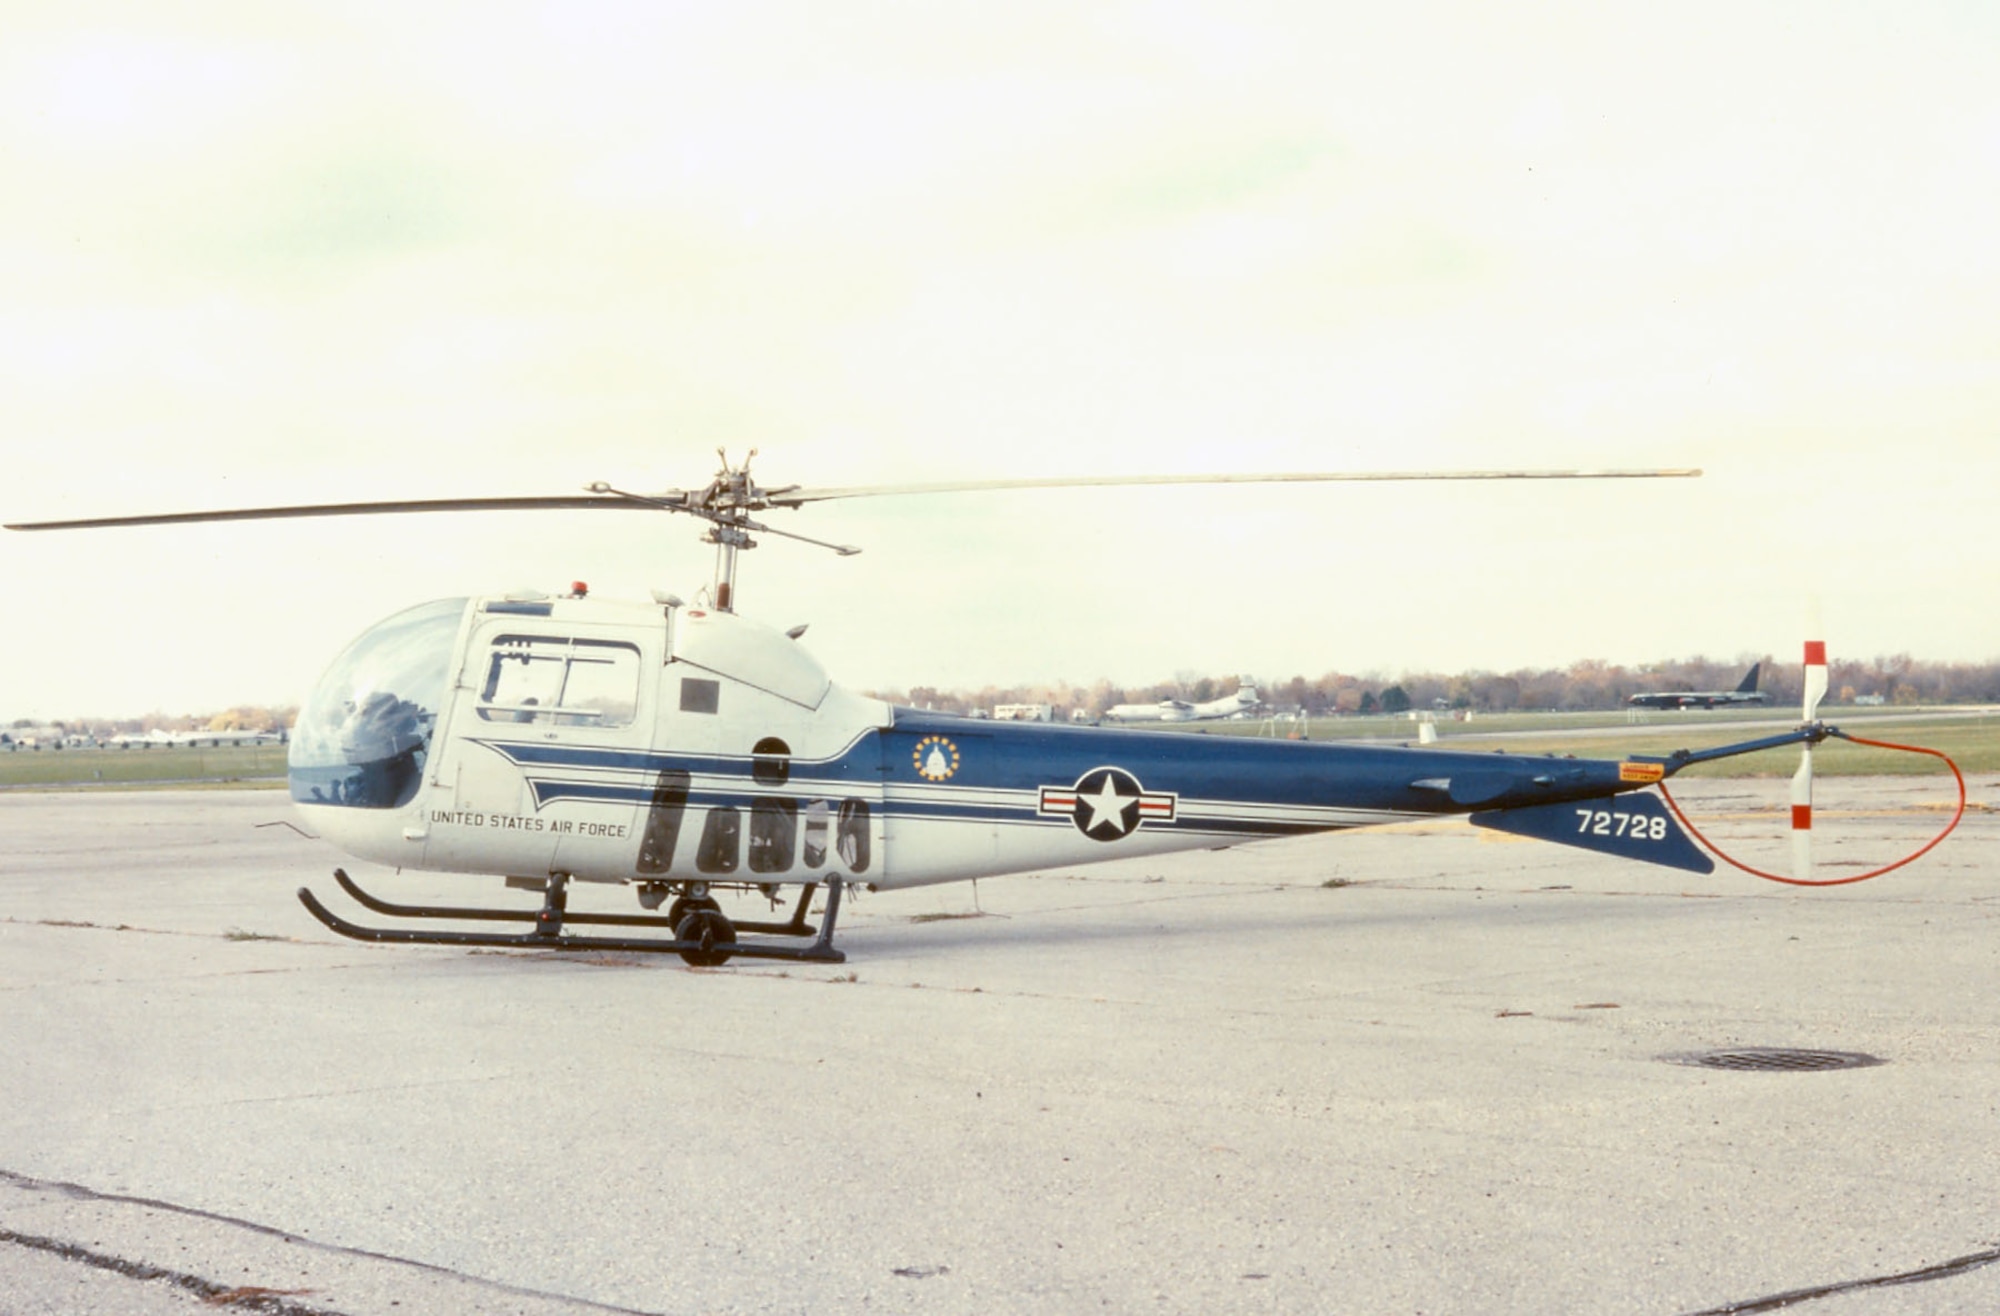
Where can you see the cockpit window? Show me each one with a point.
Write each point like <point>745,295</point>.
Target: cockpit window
<point>363,734</point>
<point>557,681</point>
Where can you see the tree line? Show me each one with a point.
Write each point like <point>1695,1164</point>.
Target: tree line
<point>244,717</point>
<point>1589,684</point>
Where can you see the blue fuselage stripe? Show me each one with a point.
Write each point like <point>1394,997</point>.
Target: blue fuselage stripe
<point>996,771</point>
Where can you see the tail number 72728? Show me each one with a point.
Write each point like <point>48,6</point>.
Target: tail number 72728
<point>1615,822</point>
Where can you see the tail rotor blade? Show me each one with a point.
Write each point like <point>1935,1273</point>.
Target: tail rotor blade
<point>1815,677</point>
<point>1802,817</point>
<point>1815,690</point>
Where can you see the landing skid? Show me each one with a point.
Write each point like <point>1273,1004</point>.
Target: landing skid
<point>711,937</point>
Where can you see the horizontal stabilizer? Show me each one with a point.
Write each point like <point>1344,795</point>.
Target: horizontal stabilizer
<point>1632,826</point>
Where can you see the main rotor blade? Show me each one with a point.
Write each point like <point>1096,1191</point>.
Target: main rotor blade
<point>565,502</point>
<point>794,497</point>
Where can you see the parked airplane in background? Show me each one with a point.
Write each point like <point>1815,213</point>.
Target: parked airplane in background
<point>1242,703</point>
<point>1746,692</point>
<point>190,739</point>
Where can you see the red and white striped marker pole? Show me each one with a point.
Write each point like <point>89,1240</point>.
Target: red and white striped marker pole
<point>1815,690</point>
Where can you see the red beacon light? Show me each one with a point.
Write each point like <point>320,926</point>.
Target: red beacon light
<point>578,589</point>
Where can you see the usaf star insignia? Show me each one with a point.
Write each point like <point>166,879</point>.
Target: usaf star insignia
<point>1108,804</point>
<point>935,759</point>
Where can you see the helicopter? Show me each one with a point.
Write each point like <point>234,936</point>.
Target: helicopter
<point>681,750</point>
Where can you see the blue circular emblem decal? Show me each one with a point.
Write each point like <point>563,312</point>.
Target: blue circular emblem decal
<point>935,759</point>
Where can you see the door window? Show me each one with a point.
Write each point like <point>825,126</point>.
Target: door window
<point>553,680</point>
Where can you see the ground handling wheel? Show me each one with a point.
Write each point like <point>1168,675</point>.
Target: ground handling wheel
<point>711,934</point>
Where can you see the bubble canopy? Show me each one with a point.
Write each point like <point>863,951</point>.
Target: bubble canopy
<point>363,734</point>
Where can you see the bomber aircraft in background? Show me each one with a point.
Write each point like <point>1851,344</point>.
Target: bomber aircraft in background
<point>1241,704</point>
<point>1746,692</point>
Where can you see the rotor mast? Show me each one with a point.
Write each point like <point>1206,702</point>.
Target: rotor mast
<point>727,540</point>
<point>728,493</point>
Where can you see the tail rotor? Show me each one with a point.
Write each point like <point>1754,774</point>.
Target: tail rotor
<point>1810,732</point>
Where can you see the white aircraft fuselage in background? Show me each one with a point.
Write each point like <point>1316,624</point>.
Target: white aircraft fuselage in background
<point>1179,710</point>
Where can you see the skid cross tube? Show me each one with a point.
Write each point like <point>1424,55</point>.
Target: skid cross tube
<point>548,934</point>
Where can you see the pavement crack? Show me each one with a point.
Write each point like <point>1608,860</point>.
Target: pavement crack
<point>273,1301</point>
<point>1777,1301</point>
<point>247,1299</point>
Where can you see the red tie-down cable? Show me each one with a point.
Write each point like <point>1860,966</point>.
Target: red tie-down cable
<point>1859,877</point>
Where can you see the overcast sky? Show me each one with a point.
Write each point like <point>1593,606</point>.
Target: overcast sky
<point>258,254</point>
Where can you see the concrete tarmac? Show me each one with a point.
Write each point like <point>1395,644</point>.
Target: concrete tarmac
<point>1418,1069</point>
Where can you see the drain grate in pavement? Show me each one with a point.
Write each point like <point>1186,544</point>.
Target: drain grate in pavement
<point>1775,1059</point>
